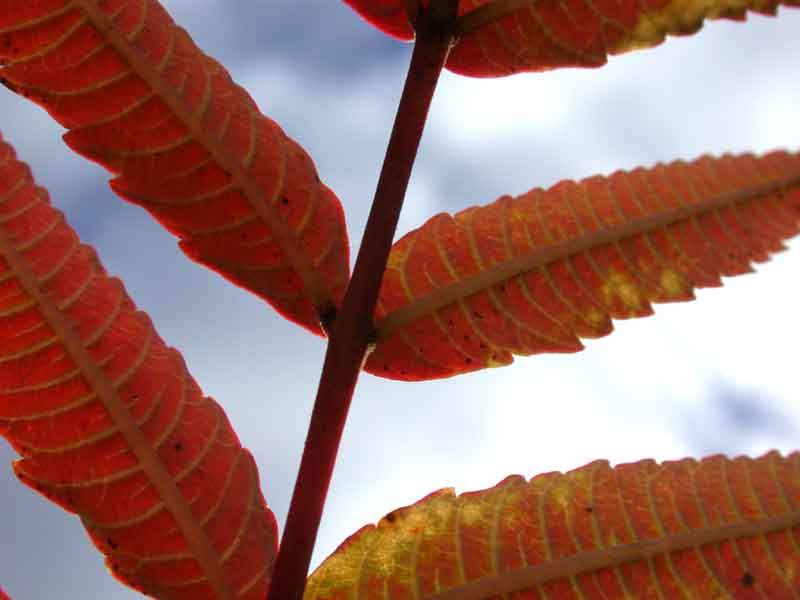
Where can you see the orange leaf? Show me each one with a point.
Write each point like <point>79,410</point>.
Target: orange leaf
<point>502,37</point>
<point>110,424</point>
<point>185,142</point>
<point>387,15</point>
<point>535,273</point>
<point>717,528</point>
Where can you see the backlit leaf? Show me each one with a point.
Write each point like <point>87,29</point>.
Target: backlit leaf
<point>388,15</point>
<point>535,273</point>
<point>109,423</point>
<point>681,530</point>
<point>185,142</point>
<point>502,37</point>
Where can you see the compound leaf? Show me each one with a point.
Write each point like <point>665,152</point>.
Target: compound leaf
<point>502,37</point>
<point>536,273</point>
<point>717,528</point>
<point>109,423</point>
<point>185,142</point>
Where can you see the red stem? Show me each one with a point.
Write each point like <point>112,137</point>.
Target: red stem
<point>354,327</point>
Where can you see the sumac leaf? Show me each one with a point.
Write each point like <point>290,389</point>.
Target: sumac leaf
<point>185,142</point>
<point>387,15</point>
<point>109,423</point>
<point>502,37</point>
<point>536,273</point>
<point>717,528</point>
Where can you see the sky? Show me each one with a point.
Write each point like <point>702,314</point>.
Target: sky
<point>713,375</point>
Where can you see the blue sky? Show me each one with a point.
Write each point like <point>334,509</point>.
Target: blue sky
<point>714,375</point>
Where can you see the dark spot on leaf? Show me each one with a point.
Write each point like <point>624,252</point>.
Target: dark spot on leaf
<point>178,446</point>
<point>748,580</point>
<point>467,359</point>
<point>589,509</point>
<point>111,543</point>
<point>391,517</point>
<point>285,201</point>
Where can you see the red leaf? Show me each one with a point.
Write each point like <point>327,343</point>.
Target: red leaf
<point>689,530</point>
<point>502,37</point>
<point>185,142</point>
<point>535,273</point>
<point>110,424</point>
<point>387,15</point>
<point>3,595</point>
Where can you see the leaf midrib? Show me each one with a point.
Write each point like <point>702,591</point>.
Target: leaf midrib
<point>196,539</point>
<point>582,562</point>
<point>313,284</point>
<point>441,297</point>
<point>488,13</point>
